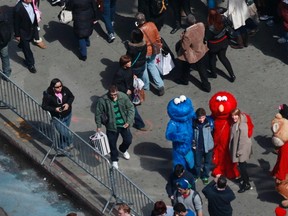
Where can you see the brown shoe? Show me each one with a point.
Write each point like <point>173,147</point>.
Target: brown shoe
<point>143,129</point>
<point>41,44</point>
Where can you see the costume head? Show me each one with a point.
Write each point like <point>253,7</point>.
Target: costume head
<point>180,109</point>
<point>280,130</point>
<point>221,104</point>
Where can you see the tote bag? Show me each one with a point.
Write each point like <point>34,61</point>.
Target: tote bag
<point>99,142</point>
<point>164,62</point>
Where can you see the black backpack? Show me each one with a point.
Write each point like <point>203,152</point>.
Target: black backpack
<point>5,33</point>
<point>157,7</point>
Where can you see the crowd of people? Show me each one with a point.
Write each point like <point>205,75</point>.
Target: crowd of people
<point>200,43</point>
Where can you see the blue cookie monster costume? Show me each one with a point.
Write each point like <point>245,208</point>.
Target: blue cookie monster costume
<point>179,130</point>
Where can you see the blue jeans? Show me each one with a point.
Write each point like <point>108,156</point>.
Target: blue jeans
<point>199,155</point>
<point>138,121</point>
<point>108,14</point>
<point>65,137</point>
<point>154,72</point>
<point>83,43</point>
<point>5,61</point>
<point>113,137</point>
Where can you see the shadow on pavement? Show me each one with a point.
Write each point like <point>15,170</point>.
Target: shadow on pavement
<point>154,158</point>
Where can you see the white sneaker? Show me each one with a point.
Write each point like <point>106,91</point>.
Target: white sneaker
<point>126,155</point>
<point>282,40</point>
<point>115,164</point>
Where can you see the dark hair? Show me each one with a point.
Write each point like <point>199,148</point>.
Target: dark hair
<point>137,35</point>
<point>215,19</point>
<point>125,208</point>
<point>113,88</point>
<point>200,112</point>
<point>159,208</point>
<point>178,169</point>
<point>179,207</point>
<point>221,182</point>
<point>52,85</point>
<point>124,59</point>
<point>71,214</point>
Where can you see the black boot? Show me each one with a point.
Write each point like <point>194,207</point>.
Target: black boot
<point>244,187</point>
<point>240,44</point>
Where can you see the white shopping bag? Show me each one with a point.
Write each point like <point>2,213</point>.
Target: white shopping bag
<point>164,63</point>
<point>99,142</point>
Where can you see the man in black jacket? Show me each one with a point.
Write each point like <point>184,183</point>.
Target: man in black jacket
<point>25,27</point>
<point>219,197</point>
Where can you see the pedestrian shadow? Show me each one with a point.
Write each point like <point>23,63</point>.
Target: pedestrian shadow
<point>154,158</point>
<point>264,182</point>
<point>266,143</point>
<point>66,38</point>
<point>267,44</point>
<point>108,74</point>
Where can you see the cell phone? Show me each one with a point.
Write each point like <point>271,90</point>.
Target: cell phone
<point>61,108</point>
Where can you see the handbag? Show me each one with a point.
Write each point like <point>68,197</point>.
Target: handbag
<point>65,16</point>
<point>139,93</point>
<point>156,46</point>
<point>164,62</point>
<point>99,142</point>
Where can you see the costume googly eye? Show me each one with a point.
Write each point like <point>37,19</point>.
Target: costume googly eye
<point>182,98</point>
<point>224,98</point>
<point>177,101</point>
<point>218,98</point>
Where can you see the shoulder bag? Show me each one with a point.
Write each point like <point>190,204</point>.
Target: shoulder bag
<point>156,47</point>
<point>65,16</point>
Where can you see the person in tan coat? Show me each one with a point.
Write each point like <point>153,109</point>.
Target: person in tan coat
<point>241,145</point>
<point>192,50</point>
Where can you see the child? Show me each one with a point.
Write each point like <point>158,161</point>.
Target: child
<point>203,145</point>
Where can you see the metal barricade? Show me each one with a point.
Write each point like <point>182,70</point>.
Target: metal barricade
<point>121,188</point>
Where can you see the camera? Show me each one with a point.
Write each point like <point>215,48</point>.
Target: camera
<point>61,109</point>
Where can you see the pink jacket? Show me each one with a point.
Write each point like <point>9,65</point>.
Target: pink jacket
<point>192,47</point>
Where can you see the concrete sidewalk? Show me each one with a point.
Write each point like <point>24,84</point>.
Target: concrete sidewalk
<point>259,88</point>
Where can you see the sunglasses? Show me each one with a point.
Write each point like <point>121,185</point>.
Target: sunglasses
<point>57,86</point>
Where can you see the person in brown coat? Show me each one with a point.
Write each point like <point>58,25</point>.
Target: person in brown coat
<point>241,146</point>
<point>191,49</point>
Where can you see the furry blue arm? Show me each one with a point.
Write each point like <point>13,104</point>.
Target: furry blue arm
<point>176,132</point>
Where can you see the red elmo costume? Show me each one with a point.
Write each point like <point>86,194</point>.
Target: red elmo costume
<point>221,104</point>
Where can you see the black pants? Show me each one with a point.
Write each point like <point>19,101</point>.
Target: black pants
<point>29,58</point>
<point>184,70</point>
<point>243,171</point>
<point>219,49</point>
<point>177,7</point>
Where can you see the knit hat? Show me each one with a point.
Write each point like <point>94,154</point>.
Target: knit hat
<point>280,211</point>
<point>140,17</point>
<point>183,184</point>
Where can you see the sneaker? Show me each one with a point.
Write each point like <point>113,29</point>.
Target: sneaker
<point>282,40</point>
<point>32,69</point>
<point>69,148</point>
<point>143,129</point>
<point>161,91</point>
<point>270,23</point>
<point>115,164</point>
<point>55,2</point>
<point>265,17</point>
<point>111,37</point>
<point>126,155</point>
<point>205,181</point>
